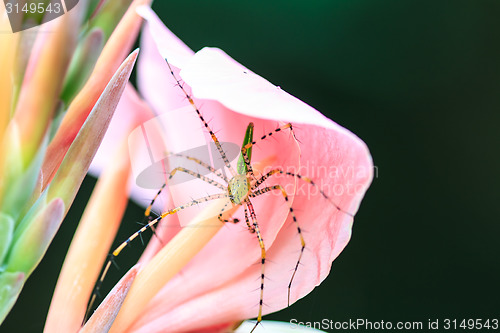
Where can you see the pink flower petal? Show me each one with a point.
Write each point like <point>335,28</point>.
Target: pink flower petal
<point>213,75</point>
<point>157,44</point>
<point>187,301</point>
<point>226,272</point>
<point>168,44</point>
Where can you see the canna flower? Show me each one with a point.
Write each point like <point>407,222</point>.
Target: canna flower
<point>60,84</point>
<point>205,278</point>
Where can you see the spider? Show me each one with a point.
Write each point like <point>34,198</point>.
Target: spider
<point>241,187</point>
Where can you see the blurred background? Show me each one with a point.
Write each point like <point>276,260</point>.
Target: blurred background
<point>419,82</point>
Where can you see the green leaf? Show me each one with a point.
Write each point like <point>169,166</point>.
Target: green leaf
<point>108,16</point>
<point>6,234</point>
<point>82,64</point>
<point>32,241</point>
<point>11,284</point>
<point>20,186</point>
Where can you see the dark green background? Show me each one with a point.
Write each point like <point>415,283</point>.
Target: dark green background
<point>419,82</point>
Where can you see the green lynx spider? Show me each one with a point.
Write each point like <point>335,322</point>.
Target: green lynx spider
<point>240,189</point>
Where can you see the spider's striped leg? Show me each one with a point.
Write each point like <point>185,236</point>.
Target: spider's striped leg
<point>189,172</point>
<point>244,149</point>
<point>210,181</point>
<point>205,165</point>
<point>251,228</point>
<point>231,220</point>
<point>235,220</point>
<point>306,179</point>
<point>197,175</point>
<point>292,213</point>
<point>256,228</point>
<point>147,213</point>
<point>212,134</point>
<point>197,161</point>
<point>207,180</point>
<point>138,233</point>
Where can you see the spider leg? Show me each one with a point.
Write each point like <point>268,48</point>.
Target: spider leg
<point>210,181</point>
<point>245,148</point>
<point>147,212</point>
<point>250,227</point>
<point>192,173</point>
<point>212,134</point>
<point>306,179</point>
<point>138,233</point>
<point>197,175</point>
<point>256,228</point>
<point>223,220</point>
<point>233,220</point>
<point>292,213</point>
<point>205,165</point>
